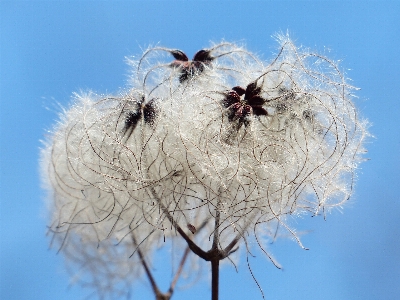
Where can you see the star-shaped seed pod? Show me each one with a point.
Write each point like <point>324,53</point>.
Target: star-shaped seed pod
<point>239,108</point>
<point>147,110</point>
<point>189,68</point>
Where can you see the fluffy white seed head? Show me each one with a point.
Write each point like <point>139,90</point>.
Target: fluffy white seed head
<point>122,168</point>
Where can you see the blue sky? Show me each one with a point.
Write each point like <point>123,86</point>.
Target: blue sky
<point>50,49</point>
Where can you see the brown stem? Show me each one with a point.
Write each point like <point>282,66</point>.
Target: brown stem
<point>228,249</point>
<point>147,270</point>
<point>159,295</point>
<point>192,245</point>
<point>182,263</point>
<point>216,253</point>
<point>214,278</point>
<point>178,273</point>
<point>216,227</point>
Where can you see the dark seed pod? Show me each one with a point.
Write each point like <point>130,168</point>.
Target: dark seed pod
<point>132,119</point>
<point>259,111</point>
<point>179,55</point>
<point>255,100</point>
<point>203,56</point>
<point>192,228</point>
<point>239,90</point>
<point>239,110</point>
<point>252,90</point>
<point>150,112</point>
<point>230,98</point>
<point>189,69</point>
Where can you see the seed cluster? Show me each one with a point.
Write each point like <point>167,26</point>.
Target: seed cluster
<point>223,146</point>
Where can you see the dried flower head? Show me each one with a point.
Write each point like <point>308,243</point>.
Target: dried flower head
<point>218,160</point>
